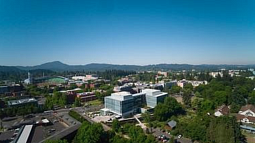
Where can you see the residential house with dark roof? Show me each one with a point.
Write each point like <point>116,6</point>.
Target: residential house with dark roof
<point>246,114</point>
<point>222,110</point>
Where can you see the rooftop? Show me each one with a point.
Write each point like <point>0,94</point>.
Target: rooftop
<point>153,92</point>
<point>21,101</point>
<point>121,96</point>
<point>248,107</point>
<point>76,89</point>
<point>85,93</point>
<point>25,134</point>
<point>138,94</point>
<point>172,124</point>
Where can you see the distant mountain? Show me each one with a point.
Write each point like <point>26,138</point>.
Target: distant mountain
<point>9,69</point>
<point>59,66</point>
<point>56,66</point>
<point>16,74</point>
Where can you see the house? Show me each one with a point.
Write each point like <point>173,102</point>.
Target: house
<point>172,124</point>
<point>215,74</point>
<point>182,83</point>
<point>162,73</point>
<point>246,114</point>
<point>222,110</point>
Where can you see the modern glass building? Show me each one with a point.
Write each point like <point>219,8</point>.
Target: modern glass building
<point>120,103</point>
<point>139,102</point>
<point>153,97</point>
<point>126,104</point>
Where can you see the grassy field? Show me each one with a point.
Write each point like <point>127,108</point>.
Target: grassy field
<point>95,102</point>
<point>249,136</point>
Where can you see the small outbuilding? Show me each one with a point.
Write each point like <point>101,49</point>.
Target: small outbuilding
<point>172,124</point>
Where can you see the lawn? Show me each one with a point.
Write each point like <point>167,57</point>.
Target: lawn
<point>95,102</point>
<point>249,136</point>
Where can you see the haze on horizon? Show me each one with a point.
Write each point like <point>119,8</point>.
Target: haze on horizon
<point>127,32</point>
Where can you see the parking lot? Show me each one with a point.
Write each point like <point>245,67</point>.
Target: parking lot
<point>39,132</point>
<point>42,132</point>
<point>157,132</point>
<point>6,136</point>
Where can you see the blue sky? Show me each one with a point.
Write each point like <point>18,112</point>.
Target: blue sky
<point>127,31</point>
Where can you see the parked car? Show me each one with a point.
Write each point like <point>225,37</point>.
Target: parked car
<point>51,130</point>
<point>55,121</point>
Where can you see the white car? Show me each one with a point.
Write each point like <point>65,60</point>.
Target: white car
<point>179,136</point>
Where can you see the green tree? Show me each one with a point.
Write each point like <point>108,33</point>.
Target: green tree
<point>90,133</point>
<point>115,125</point>
<point>77,102</point>
<point>73,86</point>
<point>118,139</point>
<point>234,108</point>
<point>160,112</point>
<point>62,100</point>
<point>150,139</point>
<point>224,129</point>
<point>172,139</point>
<point>165,110</point>
<point>175,89</point>
<point>187,97</point>
<point>188,87</point>
<point>251,99</point>
<point>146,117</point>
<point>220,97</point>
<point>196,103</point>
<point>207,106</point>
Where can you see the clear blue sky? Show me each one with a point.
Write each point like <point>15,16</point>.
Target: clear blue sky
<point>127,32</point>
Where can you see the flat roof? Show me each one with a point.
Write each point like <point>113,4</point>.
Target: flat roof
<point>138,94</point>
<point>21,101</point>
<point>76,89</point>
<point>25,134</point>
<point>153,92</point>
<point>150,90</point>
<point>121,96</point>
<point>123,93</point>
